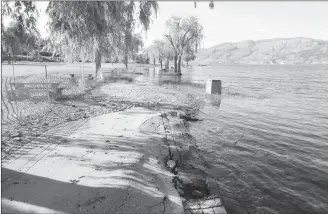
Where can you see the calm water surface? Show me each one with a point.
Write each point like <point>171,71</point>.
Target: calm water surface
<point>267,141</point>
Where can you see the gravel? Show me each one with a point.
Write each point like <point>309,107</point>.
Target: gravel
<point>42,117</point>
<point>23,130</point>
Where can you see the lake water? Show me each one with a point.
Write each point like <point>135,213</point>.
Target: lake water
<point>267,140</point>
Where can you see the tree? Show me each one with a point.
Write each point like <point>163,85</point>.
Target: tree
<point>180,34</point>
<point>133,42</point>
<point>23,13</point>
<point>16,40</point>
<point>11,40</point>
<point>150,52</point>
<point>137,44</point>
<point>133,46</point>
<point>157,51</point>
<point>168,55</point>
<point>147,60</point>
<point>98,27</point>
<point>189,54</point>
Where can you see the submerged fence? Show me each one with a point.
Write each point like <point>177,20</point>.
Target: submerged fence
<point>37,98</point>
<point>30,89</point>
<point>37,101</point>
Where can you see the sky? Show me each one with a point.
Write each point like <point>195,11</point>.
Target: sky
<point>236,21</point>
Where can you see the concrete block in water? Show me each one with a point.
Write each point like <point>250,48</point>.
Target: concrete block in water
<point>213,86</point>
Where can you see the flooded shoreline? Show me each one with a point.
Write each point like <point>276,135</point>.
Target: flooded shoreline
<point>266,141</point>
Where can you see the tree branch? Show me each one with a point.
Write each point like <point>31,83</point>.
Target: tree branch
<point>170,40</point>
<point>184,36</point>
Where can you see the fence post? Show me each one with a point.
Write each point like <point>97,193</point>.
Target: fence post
<point>49,99</point>
<point>83,80</point>
<point>83,86</point>
<point>14,73</point>
<point>45,67</point>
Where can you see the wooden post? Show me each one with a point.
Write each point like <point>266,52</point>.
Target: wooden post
<point>83,86</point>
<point>45,68</point>
<point>14,73</point>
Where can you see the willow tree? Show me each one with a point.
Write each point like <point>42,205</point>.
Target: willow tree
<point>182,33</point>
<point>132,45</point>
<point>136,45</point>
<point>24,15</point>
<point>97,27</point>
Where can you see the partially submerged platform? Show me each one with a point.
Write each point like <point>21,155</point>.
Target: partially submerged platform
<point>114,163</point>
<point>105,166</point>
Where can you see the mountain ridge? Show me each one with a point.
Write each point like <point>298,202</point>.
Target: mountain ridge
<point>294,50</point>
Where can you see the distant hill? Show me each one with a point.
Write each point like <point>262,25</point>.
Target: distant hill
<point>273,51</point>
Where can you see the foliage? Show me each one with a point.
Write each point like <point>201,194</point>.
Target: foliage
<point>132,46</point>
<point>168,51</point>
<point>137,43</point>
<point>159,46</point>
<point>142,59</point>
<point>182,33</point>
<point>147,61</point>
<point>156,50</point>
<point>189,53</point>
<point>16,40</point>
<point>103,28</point>
<point>24,13</point>
<point>11,40</point>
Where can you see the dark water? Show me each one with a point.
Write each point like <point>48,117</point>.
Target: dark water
<point>267,141</point>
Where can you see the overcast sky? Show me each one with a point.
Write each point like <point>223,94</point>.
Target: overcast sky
<point>236,21</point>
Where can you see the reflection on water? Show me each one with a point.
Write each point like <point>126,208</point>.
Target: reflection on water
<point>266,136</point>
<point>213,99</point>
<point>155,76</point>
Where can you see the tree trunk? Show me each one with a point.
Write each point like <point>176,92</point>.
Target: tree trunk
<point>126,57</point>
<point>1,54</point>
<point>167,65</point>
<point>98,63</point>
<point>176,63</point>
<point>154,61</point>
<point>160,61</point>
<point>179,64</point>
<point>126,61</point>
<point>11,59</point>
